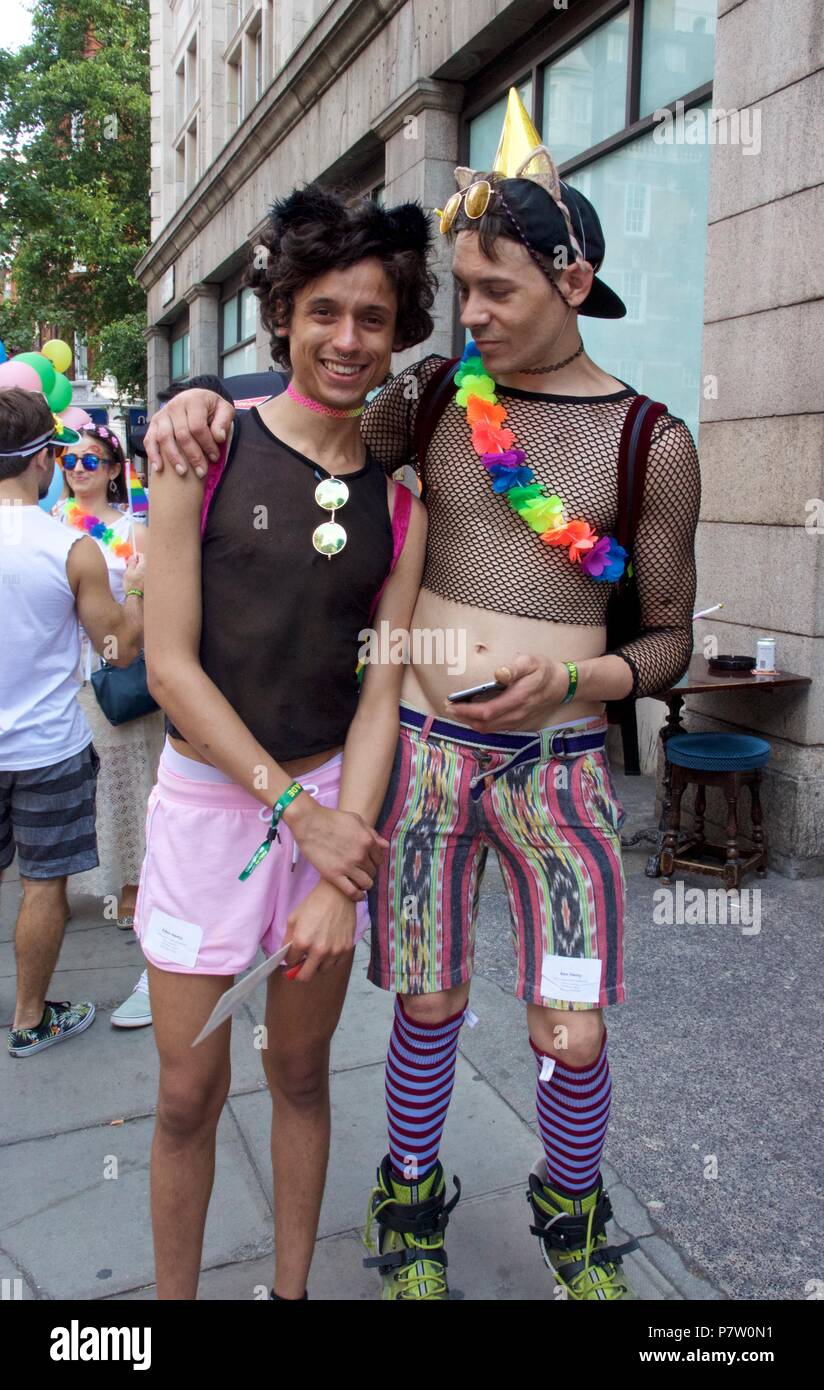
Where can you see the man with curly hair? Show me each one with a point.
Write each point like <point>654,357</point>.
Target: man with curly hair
<point>520,448</point>
<point>263,579</point>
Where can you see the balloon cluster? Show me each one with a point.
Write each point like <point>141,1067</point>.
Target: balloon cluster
<point>44,372</point>
<point>40,371</point>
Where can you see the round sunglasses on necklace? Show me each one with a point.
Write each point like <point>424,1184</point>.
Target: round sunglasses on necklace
<point>329,538</point>
<point>89,461</point>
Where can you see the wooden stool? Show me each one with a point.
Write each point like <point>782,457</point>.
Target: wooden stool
<point>730,761</point>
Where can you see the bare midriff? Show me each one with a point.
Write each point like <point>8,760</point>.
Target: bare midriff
<point>489,640</point>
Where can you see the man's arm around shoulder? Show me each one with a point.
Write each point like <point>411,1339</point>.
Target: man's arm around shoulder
<point>115,629</point>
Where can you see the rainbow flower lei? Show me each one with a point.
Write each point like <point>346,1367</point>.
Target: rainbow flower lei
<point>601,557</point>
<point>84,521</point>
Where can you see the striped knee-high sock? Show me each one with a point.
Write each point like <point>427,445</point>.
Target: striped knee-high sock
<point>420,1073</point>
<point>573,1114</point>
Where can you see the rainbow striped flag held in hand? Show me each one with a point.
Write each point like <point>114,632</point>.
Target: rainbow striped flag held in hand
<point>139,498</point>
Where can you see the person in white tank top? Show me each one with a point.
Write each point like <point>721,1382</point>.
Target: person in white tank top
<point>49,578</point>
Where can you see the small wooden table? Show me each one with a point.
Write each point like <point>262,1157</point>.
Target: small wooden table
<point>699,680</point>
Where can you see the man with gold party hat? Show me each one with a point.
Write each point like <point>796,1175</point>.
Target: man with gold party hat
<point>525,450</point>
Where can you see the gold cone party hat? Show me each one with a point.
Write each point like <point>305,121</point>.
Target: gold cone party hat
<point>519,138</point>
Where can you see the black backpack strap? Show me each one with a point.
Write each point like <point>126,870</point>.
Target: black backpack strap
<point>633,452</point>
<point>431,406</point>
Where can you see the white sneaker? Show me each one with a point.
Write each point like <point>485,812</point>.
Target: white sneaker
<point>136,1011</point>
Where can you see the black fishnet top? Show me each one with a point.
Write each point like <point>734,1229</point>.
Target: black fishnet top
<point>480,552</point>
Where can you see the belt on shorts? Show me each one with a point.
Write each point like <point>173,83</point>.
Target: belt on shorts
<point>561,742</point>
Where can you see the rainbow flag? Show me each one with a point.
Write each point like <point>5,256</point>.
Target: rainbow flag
<point>139,498</point>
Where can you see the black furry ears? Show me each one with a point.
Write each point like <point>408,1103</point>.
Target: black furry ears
<point>311,204</point>
<point>409,228</point>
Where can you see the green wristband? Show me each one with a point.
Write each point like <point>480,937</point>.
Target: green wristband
<point>283,801</point>
<point>138,593</point>
<point>572,672</point>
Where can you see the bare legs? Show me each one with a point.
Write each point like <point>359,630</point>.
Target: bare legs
<point>194,1084</point>
<point>38,937</point>
<point>300,1021</point>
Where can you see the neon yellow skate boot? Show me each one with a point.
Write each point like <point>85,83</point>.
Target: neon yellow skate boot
<point>574,1241</point>
<point>411,1218</point>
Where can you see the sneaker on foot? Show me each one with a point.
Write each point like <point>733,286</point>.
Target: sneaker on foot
<point>136,1011</point>
<point>59,1021</point>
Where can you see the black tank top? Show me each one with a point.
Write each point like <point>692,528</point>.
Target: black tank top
<point>280,621</point>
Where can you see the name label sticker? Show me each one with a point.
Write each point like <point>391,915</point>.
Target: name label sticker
<point>571,978</point>
<point>170,938</point>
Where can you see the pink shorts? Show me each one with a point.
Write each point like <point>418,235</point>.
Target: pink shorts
<point>193,914</point>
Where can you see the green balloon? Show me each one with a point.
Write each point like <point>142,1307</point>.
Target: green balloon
<point>42,366</point>
<point>60,395</point>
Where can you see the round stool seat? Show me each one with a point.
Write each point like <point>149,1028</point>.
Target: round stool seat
<point>718,752</point>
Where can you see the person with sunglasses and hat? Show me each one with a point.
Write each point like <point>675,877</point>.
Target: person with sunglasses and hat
<point>265,581</point>
<point>50,577</point>
<point>519,447</point>
<point>95,474</point>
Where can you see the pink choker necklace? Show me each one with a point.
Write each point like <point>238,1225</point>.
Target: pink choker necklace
<point>320,408</point>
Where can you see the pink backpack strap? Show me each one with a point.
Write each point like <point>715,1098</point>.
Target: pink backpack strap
<point>213,477</point>
<point>401,512</point>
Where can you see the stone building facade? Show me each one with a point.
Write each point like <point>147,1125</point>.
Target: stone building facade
<point>692,125</point>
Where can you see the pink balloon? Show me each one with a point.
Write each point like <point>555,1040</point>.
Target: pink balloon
<point>75,416</point>
<point>19,374</point>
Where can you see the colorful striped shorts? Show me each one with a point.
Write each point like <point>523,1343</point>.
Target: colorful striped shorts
<point>554,824</point>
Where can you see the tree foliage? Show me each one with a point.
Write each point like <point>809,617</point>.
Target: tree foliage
<point>74,179</point>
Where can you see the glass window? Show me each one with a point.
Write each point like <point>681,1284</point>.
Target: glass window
<point>248,314</point>
<point>243,359</point>
<point>677,49</point>
<point>258,47</point>
<point>180,357</point>
<point>585,91</point>
<point>485,130</point>
<point>658,192</point>
<point>230,323</point>
<point>636,209</point>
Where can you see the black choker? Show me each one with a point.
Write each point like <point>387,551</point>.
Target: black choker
<point>556,367</point>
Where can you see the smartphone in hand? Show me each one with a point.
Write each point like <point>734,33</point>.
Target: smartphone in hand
<point>477,693</point>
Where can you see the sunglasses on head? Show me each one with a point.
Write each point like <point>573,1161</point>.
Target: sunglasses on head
<point>89,461</point>
<point>476,199</point>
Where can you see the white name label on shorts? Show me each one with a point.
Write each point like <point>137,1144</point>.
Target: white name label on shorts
<point>170,938</point>
<point>577,981</point>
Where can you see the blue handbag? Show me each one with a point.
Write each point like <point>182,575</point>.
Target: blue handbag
<point>123,691</point>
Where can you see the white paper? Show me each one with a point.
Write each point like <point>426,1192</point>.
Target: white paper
<point>172,938</point>
<point>571,978</point>
<point>470,1019</point>
<point>228,1002</point>
<point>547,1068</point>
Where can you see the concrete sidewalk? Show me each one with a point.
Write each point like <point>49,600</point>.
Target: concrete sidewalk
<point>69,1231</point>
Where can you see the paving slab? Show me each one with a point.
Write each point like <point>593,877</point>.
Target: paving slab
<point>492,1257</point>
<point>105,1074</point>
<point>81,1235</point>
<point>484,1142</point>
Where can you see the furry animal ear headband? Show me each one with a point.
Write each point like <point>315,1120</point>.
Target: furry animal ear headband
<point>402,228</point>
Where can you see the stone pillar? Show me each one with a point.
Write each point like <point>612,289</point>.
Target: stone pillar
<point>159,365</point>
<point>762,427</point>
<point>420,132</point>
<point>203,301</point>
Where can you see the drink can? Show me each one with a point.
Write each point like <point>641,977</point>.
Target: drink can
<point>765,654</point>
